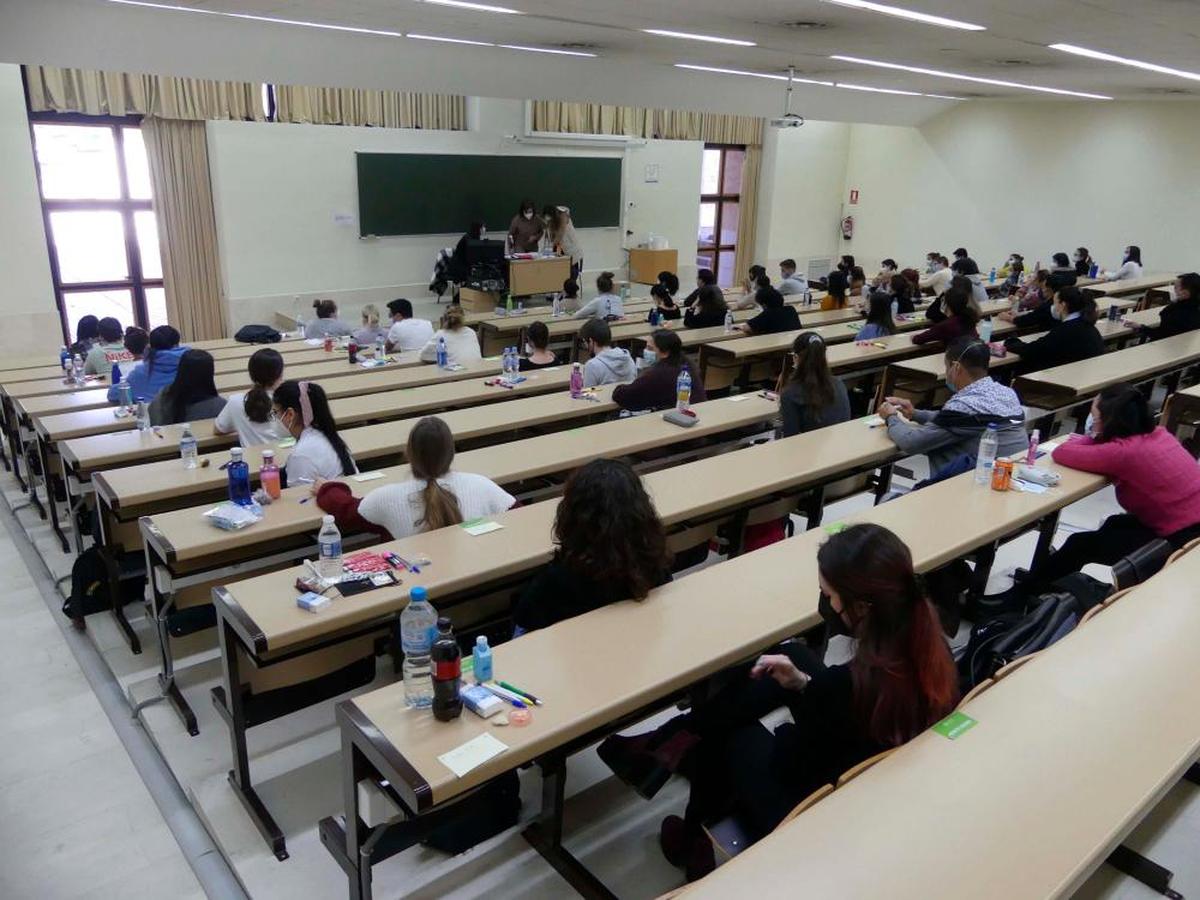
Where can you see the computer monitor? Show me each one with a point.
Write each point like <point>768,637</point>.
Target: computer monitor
<point>485,253</point>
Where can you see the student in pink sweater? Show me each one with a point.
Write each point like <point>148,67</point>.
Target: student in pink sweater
<point>1157,482</point>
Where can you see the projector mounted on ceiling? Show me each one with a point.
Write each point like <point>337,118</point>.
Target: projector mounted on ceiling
<point>789,119</point>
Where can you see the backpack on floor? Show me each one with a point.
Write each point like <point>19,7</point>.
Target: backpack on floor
<point>482,815</point>
<point>257,334</point>
<point>90,587</point>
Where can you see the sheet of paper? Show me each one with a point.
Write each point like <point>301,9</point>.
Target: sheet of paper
<point>481,526</point>
<point>472,754</point>
<point>368,476</point>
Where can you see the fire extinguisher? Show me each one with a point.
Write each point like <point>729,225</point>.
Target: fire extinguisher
<point>847,227</point>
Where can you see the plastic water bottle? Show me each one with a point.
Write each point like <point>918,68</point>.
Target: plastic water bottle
<point>188,449</point>
<point>1094,270</point>
<point>728,321</point>
<point>992,276</point>
<point>115,374</point>
<point>988,445</point>
<point>654,317</point>
<point>239,478</point>
<point>985,330</point>
<point>508,304</point>
<point>329,543</point>
<point>268,475</point>
<point>683,390</point>
<point>895,309</point>
<point>418,625</point>
<point>64,358</point>
<point>808,297</point>
<point>380,347</point>
<point>576,380</point>
<point>143,415</point>
<point>125,396</point>
<point>77,369</point>
<point>482,658</point>
<point>556,306</point>
<point>447,673</point>
<point>442,357</point>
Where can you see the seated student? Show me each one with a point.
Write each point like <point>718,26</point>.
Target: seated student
<point>434,497</point>
<point>750,282</point>
<point>192,395</point>
<point>1073,339</point>
<point>665,303</point>
<point>1083,262</point>
<point>87,335</point>
<point>605,305</point>
<point>835,291</point>
<point>883,278</point>
<point>967,269</point>
<point>960,320</point>
<point>704,278</point>
<point>1062,266</point>
<point>570,295</point>
<point>904,292</point>
<point>789,282</point>
<point>1182,313</point>
<point>1131,265</point>
<point>249,414</point>
<point>607,364</point>
<point>136,341</point>
<point>327,323</point>
<point>1040,315</point>
<point>462,345</point>
<point>302,408</point>
<point>670,281</point>
<point>776,315</point>
<point>157,369</point>
<point>109,351</point>
<point>976,402</point>
<point>537,352</point>
<point>758,279</point>
<point>937,281</point>
<point>1157,482</point>
<point>879,318</point>
<point>845,264</point>
<point>900,681</point>
<point>610,546</point>
<point>709,310</point>
<point>858,284</point>
<point>1016,271</point>
<point>406,332</point>
<point>812,397</point>
<point>931,261</point>
<point>655,387</point>
<point>371,330</point>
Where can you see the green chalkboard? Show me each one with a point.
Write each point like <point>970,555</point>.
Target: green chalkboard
<point>423,193</point>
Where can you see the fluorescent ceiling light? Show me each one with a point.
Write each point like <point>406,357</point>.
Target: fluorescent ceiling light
<point>546,50</point>
<point>448,40</point>
<point>771,76</point>
<point>687,35</point>
<point>875,90</point>
<point>1136,63</point>
<point>272,19</point>
<point>926,18</point>
<point>478,7</point>
<point>937,73</point>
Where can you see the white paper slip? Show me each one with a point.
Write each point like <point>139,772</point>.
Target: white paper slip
<point>368,476</point>
<point>478,527</point>
<point>738,398</point>
<point>472,754</point>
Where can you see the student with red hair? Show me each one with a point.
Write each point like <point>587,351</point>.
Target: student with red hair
<point>900,681</point>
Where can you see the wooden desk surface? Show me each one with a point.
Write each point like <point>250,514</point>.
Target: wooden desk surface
<point>1079,380</point>
<point>1129,285</point>
<point>1070,751</point>
<point>133,489</point>
<point>570,665</point>
<point>461,561</point>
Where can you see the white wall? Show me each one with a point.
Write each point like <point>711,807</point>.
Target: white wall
<point>278,187</point>
<point>29,321</point>
<point>1034,178</point>
<point>800,193</point>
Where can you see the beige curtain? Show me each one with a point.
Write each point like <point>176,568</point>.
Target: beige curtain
<point>95,93</point>
<point>668,124</point>
<point>747,212</point>
<point>183,205</point>
<point>355,106</point>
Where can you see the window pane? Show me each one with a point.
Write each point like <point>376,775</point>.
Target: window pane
<point>78,162</point>
<point>704,260</point>
<point>710,172</point>
<point>708,223</point>
<point>733,171</point>
<point>725,273</point>
<point>137,169</point>
<point>118,304</point>
<point>729,222</point>
<point>90,245</point>
<point>156,307</point>
<point>147,237</point>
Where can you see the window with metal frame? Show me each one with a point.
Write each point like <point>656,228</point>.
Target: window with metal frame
<point>720,210</point>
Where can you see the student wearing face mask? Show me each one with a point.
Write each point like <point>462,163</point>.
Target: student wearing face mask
<point>704,278</point>
<point>1182,314</point>
<point>302,408</point>
<point>887,270</point>
<point>1131,265</point>
<point>789,282</point>
<point>1083,262</point>
<point>937,281</point>
<point>1063,268</point>
<point>607,364</point>
<point>960,320</point>
<point>966,268</point>
<point>1075,337</point>
<point>1016,271</point>
<point>537,352</point>
<point>525,230</point>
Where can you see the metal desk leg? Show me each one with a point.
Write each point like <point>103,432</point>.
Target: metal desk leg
<point>815,508</point>
<point>112,566</point>
<point>228,702</point>
<point>161,606</point>
<point>50,501</point>
<point>1046,530</point>
<point>31,486</point>
<point>1129,861</point>
<point>883,483</point>
<point>984,557</point>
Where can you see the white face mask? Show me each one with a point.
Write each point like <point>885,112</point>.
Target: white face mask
<point>528,349</point>
<point>1089,426</point>
<point>649,356</point>
<point>528,214</point>
<point>1056,312</point>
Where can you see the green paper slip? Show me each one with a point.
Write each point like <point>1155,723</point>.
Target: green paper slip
<point>476,527</point>
<point>955,725</point>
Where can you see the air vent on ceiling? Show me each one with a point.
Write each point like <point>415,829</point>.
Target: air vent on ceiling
<point>801,25</point>
<point>1010,63</point>
<point>1169,92</point>
<point>578,45</point>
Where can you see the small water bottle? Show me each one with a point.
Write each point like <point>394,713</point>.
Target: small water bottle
<point>985,330</point>
<point>77,369</point>
<point>143,415</point>
<point>556,306</point>
<point>188,448</point>
<point>508,304</point>
<point>482,659</point>
<point>442,358</point>
<point>447,673</point>
<point>1094,270</point>
<point>988,445</point>
<point>895,310</point>
<point>1031,456</point>
<point>115,374</point>
<point>329,541</point>
<point>992,276</point>
<point>125,396</point>
<point>268,475</point>
<point>576,380</point>
<point>64,358</point>
<point>380,348</point>
<point>418,625</point>
<point>728,321</point>
<point>808,297</point>
<point>625,293</point>
<point>654,317</point>
<point>239,478</point>
<point>683,390</point>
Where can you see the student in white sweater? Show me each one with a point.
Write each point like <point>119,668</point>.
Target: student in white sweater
<point>462,344</point>
<point>435,497</point>
<point>249,414</point>
<point>1131,266</point>
<point>605,305</point>
<point>303,410</point>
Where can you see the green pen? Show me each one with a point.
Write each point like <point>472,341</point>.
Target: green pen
<point>516,690</point>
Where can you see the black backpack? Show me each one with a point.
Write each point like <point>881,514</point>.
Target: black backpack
<point>257,334</point>
<point>90,586</point>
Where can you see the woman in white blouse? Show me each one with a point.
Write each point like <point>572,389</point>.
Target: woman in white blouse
<point>1131,266</point>
<point>462,344</point>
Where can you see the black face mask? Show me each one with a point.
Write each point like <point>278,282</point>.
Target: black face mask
<point>833,620</point>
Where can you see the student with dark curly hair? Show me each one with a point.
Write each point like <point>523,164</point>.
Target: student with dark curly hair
<point>611,547</point>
